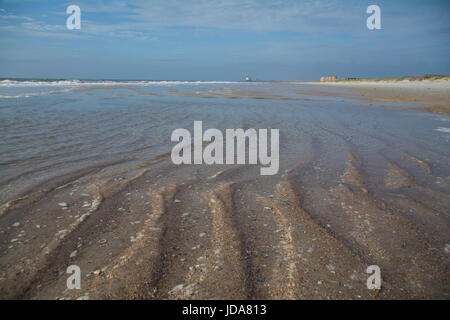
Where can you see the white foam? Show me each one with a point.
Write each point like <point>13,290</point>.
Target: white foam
<point>14,83</point>
<point>31,94</point>
<point>25,95</point>
<point>443,129</point>
<point>73,83</point>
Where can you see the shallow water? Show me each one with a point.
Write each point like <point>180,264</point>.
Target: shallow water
<point>53,129</point>
<point>336,155</point>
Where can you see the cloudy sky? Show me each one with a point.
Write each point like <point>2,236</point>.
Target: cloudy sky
<point>223,39</point>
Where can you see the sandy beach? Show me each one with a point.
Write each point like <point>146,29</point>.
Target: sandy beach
<point>364,180</point>
<point>434,95</point>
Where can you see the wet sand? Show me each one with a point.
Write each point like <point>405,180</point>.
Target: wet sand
<point>434,96</point>
<point>356,188</point>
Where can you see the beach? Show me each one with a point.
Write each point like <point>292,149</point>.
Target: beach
<point>433,95</point>
<point>87,180</point>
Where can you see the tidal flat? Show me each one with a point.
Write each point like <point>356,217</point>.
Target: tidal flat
<point>87,180</point>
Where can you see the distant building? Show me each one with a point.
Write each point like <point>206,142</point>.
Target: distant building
<point>328,78</point>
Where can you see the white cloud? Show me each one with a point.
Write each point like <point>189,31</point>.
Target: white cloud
<point>13,17</point>
<point>137,19</point>
<point>249,15</point>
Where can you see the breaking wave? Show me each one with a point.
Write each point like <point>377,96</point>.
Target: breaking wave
<point>76,82</point>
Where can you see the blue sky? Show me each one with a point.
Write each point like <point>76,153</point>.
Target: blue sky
<point>223,40</point>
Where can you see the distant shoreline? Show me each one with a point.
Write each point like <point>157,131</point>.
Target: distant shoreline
<point>433,94</point>
<point>444,84</point>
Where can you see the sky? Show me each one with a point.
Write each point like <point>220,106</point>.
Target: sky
<point>223,39</point>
